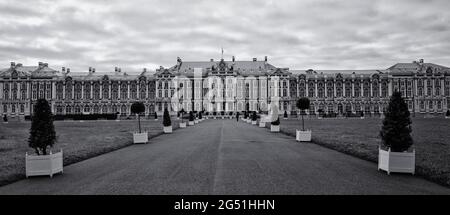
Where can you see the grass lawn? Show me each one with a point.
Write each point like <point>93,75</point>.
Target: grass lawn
<point>79,141</point>
<point>360,137</point>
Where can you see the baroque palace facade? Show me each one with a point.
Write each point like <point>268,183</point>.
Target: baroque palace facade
<point>217,86</point>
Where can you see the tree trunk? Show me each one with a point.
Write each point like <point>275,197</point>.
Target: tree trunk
<point>139,122</point>
<point>303,123</point>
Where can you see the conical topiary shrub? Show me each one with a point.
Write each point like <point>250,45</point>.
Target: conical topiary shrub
<point>285,115</point>
<point>166,118</point>
<point>138,108</point>
<point>156,116</point>
<point>254,116</point>
<point>191,116</point>
<point>5,118</point>
<point>42,132</point>
<point>396,130</point>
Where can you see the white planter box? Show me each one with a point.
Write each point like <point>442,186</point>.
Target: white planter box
<point>231,117</point>
<point>191,123</point>
<point>262,124</point>
<point>167,129</point>
<point>43,164</point>
<point>196,121</point>
<point>253,122</point>
<point>156,119</point>
<point>140,137</point>
<point>182,124</point>
<point>303,136</point>
<point>274,128</point>
<point>447,117</point>
<point>362,117</point>
<point>403,162</point>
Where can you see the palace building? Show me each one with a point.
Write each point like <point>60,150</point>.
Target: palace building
<point>227,86</point>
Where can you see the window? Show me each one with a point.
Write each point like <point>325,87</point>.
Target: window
<point>321,93</point>
<point>311,92</point>
<point>59,110</point>
<point>68,110</point>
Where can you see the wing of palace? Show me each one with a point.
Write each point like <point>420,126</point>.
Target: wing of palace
<point>426,87</point>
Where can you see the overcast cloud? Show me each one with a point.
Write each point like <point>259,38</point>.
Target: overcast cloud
<point>325,34</point>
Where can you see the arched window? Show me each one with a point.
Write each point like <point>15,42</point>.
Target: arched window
<point>59,110</point>
<point>96,91</point>
<point>68,109</point>
<point>123,110</point>
<point>420,91</point>
<point>77,109</point>
<point>96,109</point>
<point>105,88</point>
<point>87,91</point>
<point>104,109</point>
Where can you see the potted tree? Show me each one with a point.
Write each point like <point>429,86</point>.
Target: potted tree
<point>230,115</point>
<point>200,116</point>
<point>394,154</point>
<point>214,115</point>
<point>42,136</point>
<point>303,135</point>
<point>182,124</point>
<point>249,118</point>
<point>285,115</point>
<point>5,119</point>
<point>254,118</point>
<point>167,123</point>
<point>447,114</point>
<point>156,116</point>
<point>139,137</point>
<point>191,118</point>
<point>178,115</point>
<point>275,122</point>
<point>362,115</point>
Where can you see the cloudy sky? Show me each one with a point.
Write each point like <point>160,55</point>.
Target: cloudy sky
<point>133,34</point>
